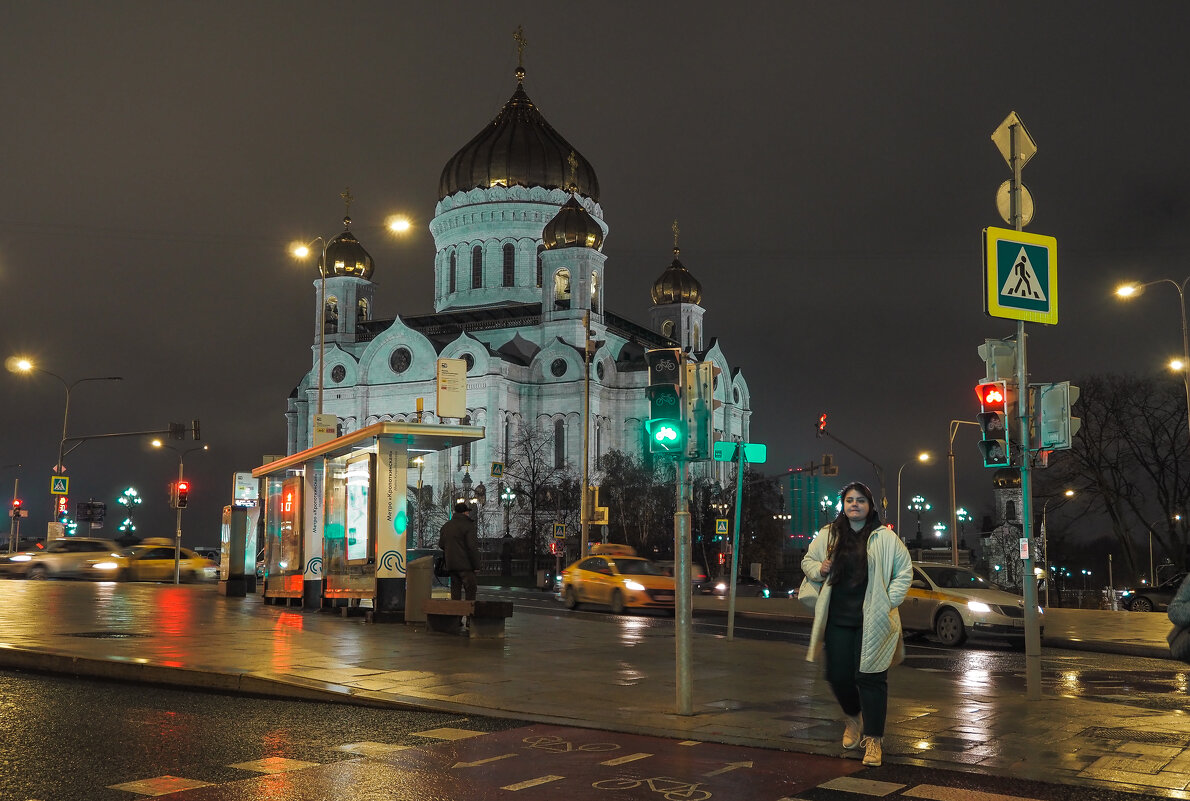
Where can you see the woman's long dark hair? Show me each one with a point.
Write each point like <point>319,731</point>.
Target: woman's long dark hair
<point>851,547</point>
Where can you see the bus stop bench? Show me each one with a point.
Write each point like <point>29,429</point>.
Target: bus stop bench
<point>484,618</point>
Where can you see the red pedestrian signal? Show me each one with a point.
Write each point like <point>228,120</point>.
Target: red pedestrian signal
<point>992,396</point>
<point>16,503</point>
<point>183,494</point>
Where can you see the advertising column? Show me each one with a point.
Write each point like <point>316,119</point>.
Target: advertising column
<point>392,524</point>
<point>312,535</point>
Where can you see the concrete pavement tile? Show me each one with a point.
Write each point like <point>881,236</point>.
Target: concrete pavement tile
<point>1143,782</point>
<point>159,785</point>
<point>1169,752</point>
<point>447,733</point>
<point>1127,764</point>
<point>273,765</point>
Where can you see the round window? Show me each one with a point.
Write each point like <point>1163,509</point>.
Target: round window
<point>400,360</point>
<point>338,373</point>
<point>470,360</point>
<point>599,370</point>
<point>558,368</point>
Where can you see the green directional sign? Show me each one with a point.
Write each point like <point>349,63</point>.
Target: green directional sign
<point>1020,276</point>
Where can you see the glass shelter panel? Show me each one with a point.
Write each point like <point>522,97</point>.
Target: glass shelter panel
<point>348,546</point>
<point>283,536</point>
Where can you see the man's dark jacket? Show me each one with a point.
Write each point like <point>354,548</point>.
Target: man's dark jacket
<point>459,543</point>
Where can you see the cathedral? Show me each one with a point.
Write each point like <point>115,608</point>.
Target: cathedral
<point>519,235</point>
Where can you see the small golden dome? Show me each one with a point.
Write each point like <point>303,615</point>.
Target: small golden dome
<point>676,285</point>
<point>344,255</point>
<point>572,227</point>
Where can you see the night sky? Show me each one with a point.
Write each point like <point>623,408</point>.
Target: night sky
<point>829,165</point>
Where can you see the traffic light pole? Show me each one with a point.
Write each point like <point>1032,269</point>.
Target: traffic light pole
<point>683,628</point>
<point>14,527</point>
<point>1029,582</point>
<point>735,540</point>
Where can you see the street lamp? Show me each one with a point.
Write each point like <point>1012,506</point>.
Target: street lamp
<point>1132,290</point>
<point>17,364</point>
<point>919,504</point>
<point>129,499</point>
<point>1086,576</point>
<point>508,498</point>
<point>420,461</point>
<point>178,535</point>
<point>939,530</point>
<point>1045,551</point>
<point>826,504</point>
<point>962,517</point>
<point>922,457</point>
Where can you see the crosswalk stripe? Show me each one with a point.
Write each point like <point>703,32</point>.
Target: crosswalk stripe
<point>532,782</point>
<point>936,793</point>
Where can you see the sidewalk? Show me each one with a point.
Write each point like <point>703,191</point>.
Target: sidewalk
<point>574,671</point>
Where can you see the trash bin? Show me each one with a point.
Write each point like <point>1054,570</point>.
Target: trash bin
<point>419,580</point>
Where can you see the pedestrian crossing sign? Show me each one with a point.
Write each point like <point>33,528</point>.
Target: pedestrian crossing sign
<point>1020,276</point>
<point>559,531</point>
<point>59,485</point>
<point>721,525</point>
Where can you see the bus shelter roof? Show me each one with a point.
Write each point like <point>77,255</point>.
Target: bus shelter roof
<point>417,437</point>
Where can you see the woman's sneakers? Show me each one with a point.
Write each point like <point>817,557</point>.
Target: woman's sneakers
<point>852,732</point>
<point>873,751</point>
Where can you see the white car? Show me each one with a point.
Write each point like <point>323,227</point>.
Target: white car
<point>954,603</point>
<point>70,557</point>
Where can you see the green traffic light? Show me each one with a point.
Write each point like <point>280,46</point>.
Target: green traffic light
<point>666,434</point>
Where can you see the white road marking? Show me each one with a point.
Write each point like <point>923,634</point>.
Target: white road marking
<point>532,782</point>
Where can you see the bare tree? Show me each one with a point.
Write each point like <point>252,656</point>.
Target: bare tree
<point>1130,462</point>
<point>530,461</point>
<point>639,495</point>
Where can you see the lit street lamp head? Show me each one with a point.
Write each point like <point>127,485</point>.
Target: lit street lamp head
<point>1129,290</point>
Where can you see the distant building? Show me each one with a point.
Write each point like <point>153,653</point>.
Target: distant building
<point>1001,547</point>
<point>519,234</point>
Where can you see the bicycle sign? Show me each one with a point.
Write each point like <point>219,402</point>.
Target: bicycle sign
<point>554,743</point>
<point>671,789</point>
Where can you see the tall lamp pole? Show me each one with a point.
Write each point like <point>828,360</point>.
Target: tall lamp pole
<point>18,365</point>
<point>178,535</point>
<point>922,457</point>
<point>954,429</point>
<point>1045,548</point>
<point>1183,365</point>
<point>420,461</point>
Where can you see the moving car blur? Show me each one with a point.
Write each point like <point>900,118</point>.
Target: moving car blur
<point>68,557</point>
<point>613,575</point>
<point>745,587</point>
<point>955,602</point>
<point>153,560</point>
<point>1152,599</point>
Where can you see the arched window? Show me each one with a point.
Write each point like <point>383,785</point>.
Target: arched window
<point>509,265</point>
<point>559,444</point>
<point>598,442</point>
<point>562,289</point>
<point>540,249</point>
<point>697,341</point>
<point>507,439</point>
<point>1010,511</point>
<point>454,270</point>
<point>595,291</point>
<point>476,267</point>
<point>361,310</point>
<point>331,316</point>
<point>667,329</point>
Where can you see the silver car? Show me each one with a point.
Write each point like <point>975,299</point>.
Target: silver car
<point>70,557</point>
<point>954,603</point>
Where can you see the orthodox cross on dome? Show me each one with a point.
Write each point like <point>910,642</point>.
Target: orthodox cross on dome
<point>676,230</point>
<point>521,41</point>
<point>572,185</point>
<point>347,198</point>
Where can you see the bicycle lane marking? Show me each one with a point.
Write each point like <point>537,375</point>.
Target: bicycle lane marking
<point>586,764</point>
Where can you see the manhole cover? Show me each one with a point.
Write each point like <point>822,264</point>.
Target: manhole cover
<point>1136,736</point>
<point>107,635</point>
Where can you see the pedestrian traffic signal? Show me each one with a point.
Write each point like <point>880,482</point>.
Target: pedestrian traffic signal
<point>821,426</point>
<point>16,503</point>
<point>996,402</point>
<point>699,409</point>
<point>183,494</point>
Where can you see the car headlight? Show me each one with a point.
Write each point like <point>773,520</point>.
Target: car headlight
<point>978,606</point>
<point>721,587</point>
<point>21,557</point>
<point>635,586</point>
<point>105,565</point>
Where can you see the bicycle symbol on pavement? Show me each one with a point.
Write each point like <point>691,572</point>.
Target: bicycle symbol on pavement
<point>671,789</point>
<point>555,744</point>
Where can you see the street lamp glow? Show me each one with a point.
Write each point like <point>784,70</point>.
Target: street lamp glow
<point>18,365</point>
<point>1177,365</point>
<point>924,456</point>
<point>398,224</point>
<point>300,251</point>
<point>1128,290</point>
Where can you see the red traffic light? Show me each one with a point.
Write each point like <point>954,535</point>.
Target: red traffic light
<point>992,396</point>
<point>183,486</point>
<point>16,503</point>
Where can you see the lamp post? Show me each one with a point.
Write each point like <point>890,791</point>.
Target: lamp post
<point>826,505</point>
<point>922,457</point>
<point>1183,366</point>
<point>420,461</point>
<point>939,530</point>
<point>129,499</point>
<point>954,429</point>
<point>507,498</point>
<point>1045,550</point>
<point>178,532</point>
<point>962,517</point>
<point>919,504</point>
<point>19,365</point>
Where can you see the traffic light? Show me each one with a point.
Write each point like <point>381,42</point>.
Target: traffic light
<point>665,428</point>
<point>183,494</point>
<point>821,426</point>
<point>699,409</point>
<point>996,403</point>
<point>1052,422</point>
<point>16,508</point>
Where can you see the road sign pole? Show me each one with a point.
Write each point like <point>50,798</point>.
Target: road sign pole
<point>735,541</point>
<point>683,628</point>
<point>1029,583</point>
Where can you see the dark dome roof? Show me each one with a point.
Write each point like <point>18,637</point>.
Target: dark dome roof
<point>344,255</point>
<point>572,227</point>
<point>1006,478</point>
<point>518,148</point>
<point>676,285</point>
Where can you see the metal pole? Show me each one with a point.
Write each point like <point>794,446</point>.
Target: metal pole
<point>735,539</point>
<point>1185,350</point>
<point>900,533</point>
<point>1152,578</point>
<point>1111,585</point>
<point>321,323</point>
<point>683,624</point>
<point>12,526</point>
<point>1032,624</point>
<point>1045,552</point>
<point>584,511</point>
<point>178,536</point>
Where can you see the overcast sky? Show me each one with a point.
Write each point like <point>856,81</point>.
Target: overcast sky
<point>829,164</point>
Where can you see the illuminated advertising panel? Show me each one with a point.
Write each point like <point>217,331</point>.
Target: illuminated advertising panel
<point>359,509</point>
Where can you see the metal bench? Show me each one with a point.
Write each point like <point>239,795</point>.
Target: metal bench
<point>485,619</point>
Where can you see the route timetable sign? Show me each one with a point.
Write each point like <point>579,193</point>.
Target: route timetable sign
<point>1020,276</point>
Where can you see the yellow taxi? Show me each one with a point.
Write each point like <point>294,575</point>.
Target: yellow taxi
<point>614,576</point>
<point>153,560</point>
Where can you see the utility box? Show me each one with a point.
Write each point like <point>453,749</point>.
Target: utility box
<point>419,582</point>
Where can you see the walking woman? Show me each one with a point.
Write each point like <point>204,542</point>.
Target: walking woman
<point>865,572</point>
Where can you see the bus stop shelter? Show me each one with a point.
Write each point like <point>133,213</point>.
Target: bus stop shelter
<point>336,515</point>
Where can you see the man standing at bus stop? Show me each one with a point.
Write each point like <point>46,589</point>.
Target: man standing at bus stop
<point>460,549</point>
